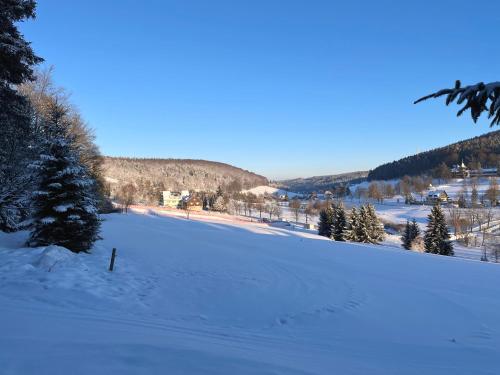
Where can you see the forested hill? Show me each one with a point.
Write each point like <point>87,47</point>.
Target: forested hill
<point>484,149</point>
<point>321,183</point>
<point>177,174</point>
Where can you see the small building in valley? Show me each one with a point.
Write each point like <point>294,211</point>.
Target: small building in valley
<point>173,199</point>
<point>435,196</point>
<point>192,203</point>
<point>460,171</point>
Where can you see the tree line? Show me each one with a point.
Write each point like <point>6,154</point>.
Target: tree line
<point>50,168</point>
<point>436,239</point>
<point>484,150</point>
<point>149,177</point>
<point>360,225</point>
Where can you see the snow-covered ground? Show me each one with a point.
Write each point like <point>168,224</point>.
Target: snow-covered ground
<point>453,187</point>
<point>393,210</point>
<point>263,189</point>
<point>206,296</point>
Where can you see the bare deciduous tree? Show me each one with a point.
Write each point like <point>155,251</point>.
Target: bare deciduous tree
<point>295,206</point>
<point>126,196</point>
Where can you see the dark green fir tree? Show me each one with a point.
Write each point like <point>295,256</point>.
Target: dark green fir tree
<point>65,204</point>
<point>339,224</point>
<point>437,237</point>
<point>411,232</point>
<point>325,222</point>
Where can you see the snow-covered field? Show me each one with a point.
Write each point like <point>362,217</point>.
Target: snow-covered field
<point>213,297</point>
<point>263,189</point>
<point>393,210</point>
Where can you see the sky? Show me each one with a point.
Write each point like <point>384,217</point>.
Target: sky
<point>282,88</point>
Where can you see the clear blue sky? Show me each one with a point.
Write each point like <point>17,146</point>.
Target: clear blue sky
<point>282,88</point>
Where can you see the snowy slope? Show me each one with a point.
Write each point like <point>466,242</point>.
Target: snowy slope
<point>264,189</point>
<point>202,297</point>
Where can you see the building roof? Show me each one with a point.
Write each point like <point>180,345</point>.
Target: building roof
<point>436,193</point>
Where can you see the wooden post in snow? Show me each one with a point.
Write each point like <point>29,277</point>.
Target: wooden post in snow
<point>112,262</point>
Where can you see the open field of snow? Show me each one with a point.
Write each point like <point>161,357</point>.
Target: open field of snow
<point>212,297</point>
<point>263,189</point>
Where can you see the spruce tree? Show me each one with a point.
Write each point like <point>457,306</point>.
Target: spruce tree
<point>352,231</point>
<point>412,231</point>
<point>436,238</point>
<point>339,223</point>
<point>16,141</point>
<point>375,227</point>
<point>219,204</point>
<point>325,222</point>
<point>65,205</point>
<point>407,237</point>
<point>364,226</point>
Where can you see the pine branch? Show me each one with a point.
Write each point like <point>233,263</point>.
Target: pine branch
<point>479,98</point>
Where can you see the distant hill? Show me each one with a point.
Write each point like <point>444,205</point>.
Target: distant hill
<point>150,176</point>
<point>321,183</point>
<point>484,149</point>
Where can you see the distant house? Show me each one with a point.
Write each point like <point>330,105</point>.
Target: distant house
<point>173,199</point>
<point>435,196</point>
<point>460,171</point>
<point>192,203</point>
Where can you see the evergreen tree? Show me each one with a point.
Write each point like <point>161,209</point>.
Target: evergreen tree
<point>375,227</point>
<point>17,150</point>
<point>16,140</point>
<point>364,225</point>
<point>436,238</point>
<point>17,57</point>
<point>414,230</point>
<point>325,222</point>
<point>65,205</point>
<point>353,229</point>
<point>474,196</point>
<point>407,238</point>
<point>219,192</point>
<point>339,223</point>
<point>219,204</point>
<point>411,232</point>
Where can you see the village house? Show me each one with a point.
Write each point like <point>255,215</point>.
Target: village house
<point>192,203</point>
<point>173,199</point>
<point>435,196</point>
<point>460,171</point>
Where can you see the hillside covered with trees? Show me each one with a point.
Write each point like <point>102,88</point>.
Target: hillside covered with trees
<point>321,183</point>
<point>483,150</point>
<point>151,176</point>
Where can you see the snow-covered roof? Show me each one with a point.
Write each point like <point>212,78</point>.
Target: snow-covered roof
<point>436,193</point>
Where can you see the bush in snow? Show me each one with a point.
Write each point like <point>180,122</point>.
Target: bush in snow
<point>437,237</point>
<point>65,205</point>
